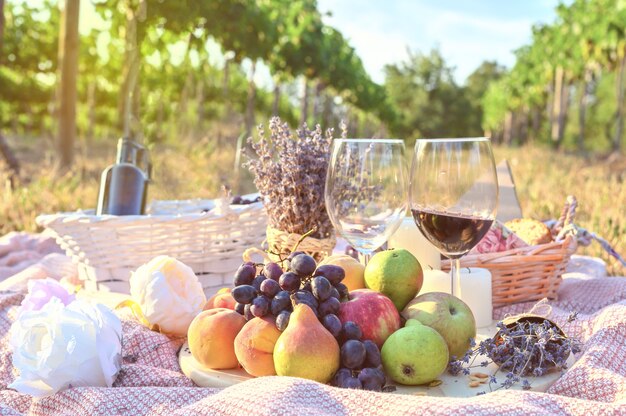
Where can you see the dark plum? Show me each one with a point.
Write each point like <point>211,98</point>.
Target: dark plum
<point>340,376</point>
<point>329,306</point>
<point>372,357</point>
<point>351,331</point>
<point>243,294</point>
<point>244,275</point>
<point>302,296</point>
<point>333,273</point>
<point>303,265</point>
<point>256,283</point>
<point>260,306</point>
<point>352,354</point>
<point>352,383</point>
<point>321,288</point>
<point>343,291</point>
<point>280,302</point>
<point>282,320</point>
<point>270,288</point>
<point>332,324</point>
<point>371,380</point>
<point>272,271</point>
<point>239,307</point>
<point>289,281</point>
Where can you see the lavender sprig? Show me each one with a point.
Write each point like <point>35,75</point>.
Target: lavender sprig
<point>290,174</point>
<point>522,349</point>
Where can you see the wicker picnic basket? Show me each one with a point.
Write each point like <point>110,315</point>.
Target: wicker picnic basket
<point>108,248</point>
<point>529,273</point>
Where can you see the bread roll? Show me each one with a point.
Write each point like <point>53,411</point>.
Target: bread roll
<point>533,232</point>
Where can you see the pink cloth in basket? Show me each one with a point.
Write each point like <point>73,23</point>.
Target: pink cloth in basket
<point>151,382</point>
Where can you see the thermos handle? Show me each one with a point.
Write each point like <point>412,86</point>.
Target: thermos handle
<point>142,160</point>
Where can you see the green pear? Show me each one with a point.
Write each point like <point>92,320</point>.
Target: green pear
<point>415,354</point>
<point>306,349</point>
<point>446,314</point>
<point>396,274</point>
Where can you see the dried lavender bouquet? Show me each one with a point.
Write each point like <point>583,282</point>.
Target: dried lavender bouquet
<point>290,174</point>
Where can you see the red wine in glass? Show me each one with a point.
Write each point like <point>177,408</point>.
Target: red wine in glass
<point>453,234</point>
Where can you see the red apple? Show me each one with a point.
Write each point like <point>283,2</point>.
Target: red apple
<point>374,312</point>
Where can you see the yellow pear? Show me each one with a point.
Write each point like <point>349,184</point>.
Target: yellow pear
<point>306,349</point>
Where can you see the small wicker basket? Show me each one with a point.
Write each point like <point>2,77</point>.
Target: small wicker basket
<point>529,273</point>
<point>280,244</point>
<point>524,274</point>
<point>108,248</point>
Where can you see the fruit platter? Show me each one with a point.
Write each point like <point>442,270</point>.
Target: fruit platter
<point>364,327</point>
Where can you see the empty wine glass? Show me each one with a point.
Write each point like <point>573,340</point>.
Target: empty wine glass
<point>365,191</point>
<point>453,195</point>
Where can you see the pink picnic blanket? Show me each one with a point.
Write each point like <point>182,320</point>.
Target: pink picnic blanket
<point>151,382</point>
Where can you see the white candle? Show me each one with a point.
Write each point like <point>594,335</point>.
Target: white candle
<point>476,293</point>
<point>410,238</point>
<point>435,281</point>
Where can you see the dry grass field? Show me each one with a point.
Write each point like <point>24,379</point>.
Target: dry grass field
<point>199,169</point>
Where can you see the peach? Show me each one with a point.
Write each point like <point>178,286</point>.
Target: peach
<point>222,299</point>
<point>211,337</point>
<point>254,346</point>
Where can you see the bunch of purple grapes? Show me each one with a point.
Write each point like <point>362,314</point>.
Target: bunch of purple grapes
<point>275,292</point>
<point>361,366</point>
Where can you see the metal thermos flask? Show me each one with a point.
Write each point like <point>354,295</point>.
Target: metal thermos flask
<point>124,185</point>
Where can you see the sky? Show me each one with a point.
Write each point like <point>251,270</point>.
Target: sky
<point>467,32</point>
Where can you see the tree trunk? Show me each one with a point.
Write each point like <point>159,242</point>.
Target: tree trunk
<point>536,124</point>
<point>617,139</point>
<point>556,106</point>
<point>129,97</point>
<point>582,108</point>
<point>1,30</point>
<point>91,100</point>
<point>550,105</point>
<point>69,73</point>
<point>508,128</point>
<point>562,119</point>
<point>317,102</point>
<point>200,100</point>
<point>225,83</point>
<point>304,115</point>
<point>276,103</point>
<point>250,103</point>
<point>11,160</point>
<point>328,110</point>
<point>523,127</point>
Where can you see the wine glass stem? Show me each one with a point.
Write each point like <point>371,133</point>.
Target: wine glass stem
<point>364,258</point>
<point>455,277</point>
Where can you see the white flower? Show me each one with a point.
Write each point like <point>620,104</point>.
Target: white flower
<point>169,294</point>
<point>62,346</point>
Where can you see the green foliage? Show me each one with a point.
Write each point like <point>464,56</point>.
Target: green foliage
<point>588,42</point>
<point>191,72</point>
<point>427,101</point>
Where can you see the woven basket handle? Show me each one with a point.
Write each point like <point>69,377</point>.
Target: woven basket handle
<point>565,223</point>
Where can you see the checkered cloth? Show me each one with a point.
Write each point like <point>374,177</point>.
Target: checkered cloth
<point>151,382</point>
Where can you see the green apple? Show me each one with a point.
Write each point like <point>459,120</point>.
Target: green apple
<point>396,274</point>
<point>415,354</point>
<point>448,315</point>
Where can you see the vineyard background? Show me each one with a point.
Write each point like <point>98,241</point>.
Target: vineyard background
<point>180,77</point>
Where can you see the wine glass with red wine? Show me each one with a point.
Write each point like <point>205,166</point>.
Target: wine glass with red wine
<point>453,193</point>
<point>365,191</point>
